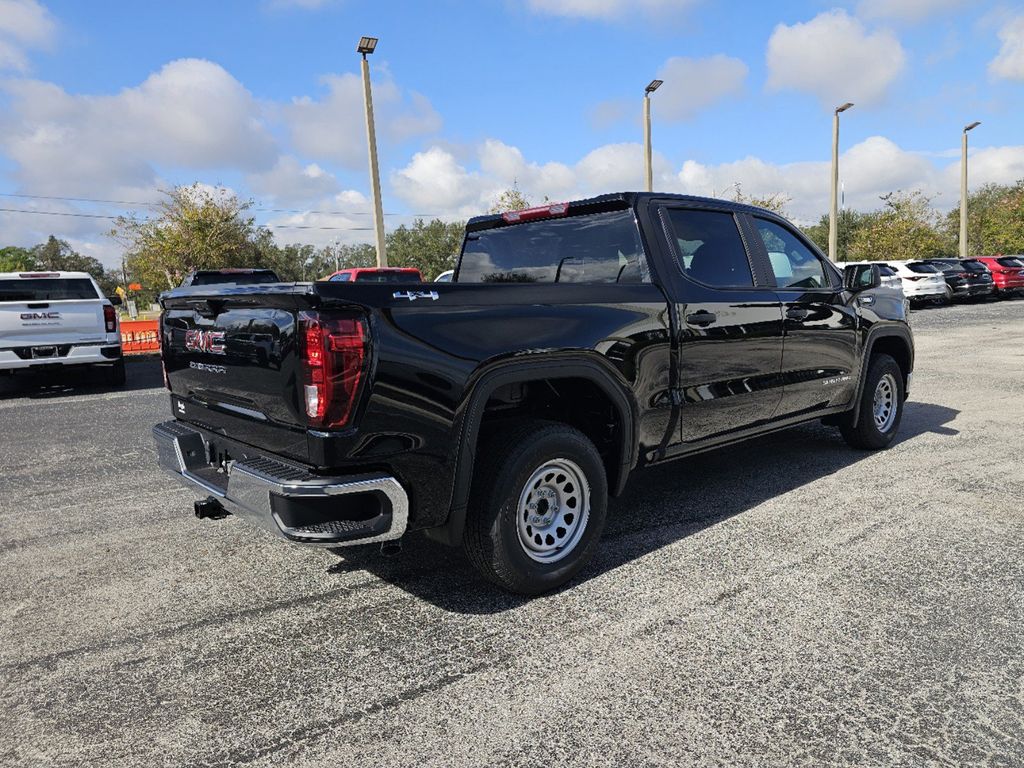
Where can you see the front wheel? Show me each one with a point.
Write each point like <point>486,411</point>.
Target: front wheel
<point>538,506</point>
<point>881,407</point>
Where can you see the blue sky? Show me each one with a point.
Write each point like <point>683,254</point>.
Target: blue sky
<point>117,100</point>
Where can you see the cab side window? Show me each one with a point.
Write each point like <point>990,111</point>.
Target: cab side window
<point>794,264</point>
<point>709,248</point>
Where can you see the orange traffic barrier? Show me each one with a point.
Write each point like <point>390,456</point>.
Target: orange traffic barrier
<point>138,336</point>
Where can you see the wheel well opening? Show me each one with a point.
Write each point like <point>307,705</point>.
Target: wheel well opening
<point>578,402</point>
<point>897,349</point>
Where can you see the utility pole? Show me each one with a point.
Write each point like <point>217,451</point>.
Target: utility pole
<point>833,214</point>
<point>963,189</point>
<point>648,164</point>
<point>366,47</point>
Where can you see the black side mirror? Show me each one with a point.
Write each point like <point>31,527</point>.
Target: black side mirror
<point>861,277</point>
<point>115,300</point>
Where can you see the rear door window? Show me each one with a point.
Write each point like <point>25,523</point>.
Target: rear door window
<point>709,248</point>
<point>47,289</point>
<point>596,248</point>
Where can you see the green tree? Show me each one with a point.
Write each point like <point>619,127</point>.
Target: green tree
<point>905,228</point>
<point>849,223</point>
<point>776,203</point>
<point>15,259</point>
<point>509,200</point>
<point>194,228</point>
<point>57,255</point>
<point>995,221</point>
<point>432,247</point>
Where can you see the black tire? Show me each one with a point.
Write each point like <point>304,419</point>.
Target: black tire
<point>865,432</point>
<point>506,464</point>
<point>116,374</point>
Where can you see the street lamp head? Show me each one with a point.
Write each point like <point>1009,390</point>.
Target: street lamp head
<point>844,107</point>
<point>366,45</point>
<point>972,126</point>
<point>653,86</point>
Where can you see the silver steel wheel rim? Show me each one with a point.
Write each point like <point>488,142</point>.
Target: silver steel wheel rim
<point>553,510</point>
<point>884,403</point>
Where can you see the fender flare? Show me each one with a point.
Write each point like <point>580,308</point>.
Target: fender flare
<point>874,334</point>
<point>558,366</point>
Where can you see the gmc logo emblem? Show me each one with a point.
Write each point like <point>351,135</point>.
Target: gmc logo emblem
<point>40,315</point>
<point>205,341</point>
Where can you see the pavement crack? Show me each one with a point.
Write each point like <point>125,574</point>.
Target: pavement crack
<point>295,736</point>
<point>212,621</point>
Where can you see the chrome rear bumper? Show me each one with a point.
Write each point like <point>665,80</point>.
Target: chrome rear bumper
<point>287,501</point>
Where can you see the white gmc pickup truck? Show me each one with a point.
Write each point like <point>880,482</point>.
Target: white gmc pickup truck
<point>51,320</point>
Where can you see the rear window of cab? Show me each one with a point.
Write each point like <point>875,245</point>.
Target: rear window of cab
<point>47,289</point>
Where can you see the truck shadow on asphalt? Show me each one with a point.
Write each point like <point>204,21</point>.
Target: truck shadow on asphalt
<point>141,373</point>
<point>661,505</point>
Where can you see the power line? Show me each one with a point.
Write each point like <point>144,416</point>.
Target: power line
<point>114,218</point>
<point>259,209</point>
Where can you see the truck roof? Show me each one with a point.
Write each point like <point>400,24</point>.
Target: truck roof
<point>615,201</point>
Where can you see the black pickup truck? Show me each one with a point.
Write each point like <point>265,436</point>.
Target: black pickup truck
<point>577,342</point>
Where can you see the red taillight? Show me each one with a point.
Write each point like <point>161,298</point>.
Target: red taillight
<point>109,318</point>
<point>540,212</point>
<point>333,362</point>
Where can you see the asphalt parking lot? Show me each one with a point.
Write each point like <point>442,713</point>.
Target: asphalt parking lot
<point>788,602</point>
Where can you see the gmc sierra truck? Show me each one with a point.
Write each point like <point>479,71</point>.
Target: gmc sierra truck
<point>577,343</point>
<point>52,321</point>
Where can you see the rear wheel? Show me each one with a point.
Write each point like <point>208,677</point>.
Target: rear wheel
<point>538,506</point>
<point>881,406</point>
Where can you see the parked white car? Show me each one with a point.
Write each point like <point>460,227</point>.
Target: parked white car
<point>921,282</point>
<point>54,320</point>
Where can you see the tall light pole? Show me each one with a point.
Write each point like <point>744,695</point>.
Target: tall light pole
<point>833,214</point>
<point>963,189</point>
<point>648,166</point>
<point>366,47</point>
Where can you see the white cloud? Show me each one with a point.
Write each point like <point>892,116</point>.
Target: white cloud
<point>340,218</point>
<point>190,114</point>
<point>906,10</point>
<point>606,9</point>
<point>1009,63</point>
<point>436,182</point>
<point>835,58</point>
<point>334,127</point>
<point>290,182</point>
<point>692,85</point>
<point>23,24</point>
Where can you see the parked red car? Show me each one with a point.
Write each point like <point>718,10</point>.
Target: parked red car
<point>1007,273</point>
<point>377,275</point>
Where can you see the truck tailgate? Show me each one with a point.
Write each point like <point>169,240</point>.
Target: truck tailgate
<point>234,362</point>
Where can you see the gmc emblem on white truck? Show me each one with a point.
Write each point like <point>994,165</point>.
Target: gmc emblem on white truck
<point>40,315</point>
<point>205,341</point>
